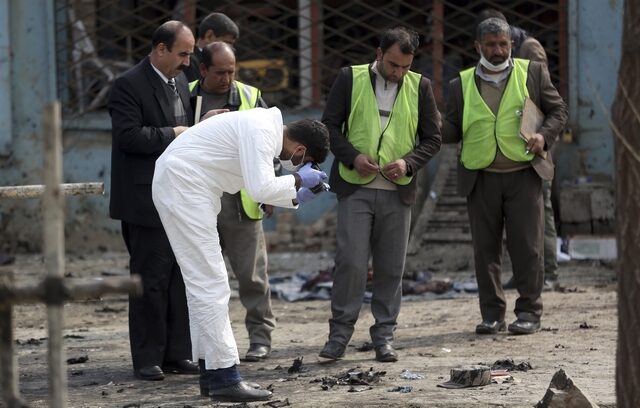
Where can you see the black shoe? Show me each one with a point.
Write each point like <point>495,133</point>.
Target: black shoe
<point>181,367</point>
<point>524,327</point>
<point>510,284</point>
<point>150,373</point>
<point>332,350</point>
<point>204,387</point>
<point>491,327</point>
<point>257,352</point>
<point>386,354</point>
<point>240,392</point>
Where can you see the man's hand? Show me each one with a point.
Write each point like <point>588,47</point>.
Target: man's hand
<point>395,169</point>
<point>213,112</point>
<point>310,177</point>
<point>535,144</point>
<point>268,210</point>
<point>364,165</point>
<point>304,195</point>
<point>179,129</point>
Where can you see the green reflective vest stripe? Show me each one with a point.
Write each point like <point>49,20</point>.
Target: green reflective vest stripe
<point>248,99</point>
<point>364,132</point>
<point>482,131</point>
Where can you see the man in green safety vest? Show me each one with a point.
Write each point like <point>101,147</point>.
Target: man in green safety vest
<point>501,174</point>
<point>382,121</point>
<point>239,222</point>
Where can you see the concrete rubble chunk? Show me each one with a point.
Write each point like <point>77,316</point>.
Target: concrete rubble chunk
<point>563,393</point>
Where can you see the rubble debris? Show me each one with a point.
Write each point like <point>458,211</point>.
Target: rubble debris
<point>278,403</point>
<point>296,367</point>
<point>352,377</point>
<point>73,336</point>
<point>404,389</point>
<point>131,405</point>
<point>509,365</point>
<point>549,329</point>
<point>30,342</point>
<point>408,375</point>
<point>78,360</point>
<point>76,373</point>
<point>366,346</point>
<point>108,309</point>
<point>468,376</point>
<point>585,325</point>
<point>359,388</point>
<point>562,392</point>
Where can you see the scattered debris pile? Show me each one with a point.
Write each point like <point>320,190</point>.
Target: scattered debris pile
<point>354,377</point>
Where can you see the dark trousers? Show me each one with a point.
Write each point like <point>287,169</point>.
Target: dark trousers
<point>158,320</point>
<point>512,201</point>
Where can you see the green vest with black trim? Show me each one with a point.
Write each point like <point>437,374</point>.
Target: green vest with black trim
<point>363,125</point>
<point>483,131</point>
<point>248,99</point>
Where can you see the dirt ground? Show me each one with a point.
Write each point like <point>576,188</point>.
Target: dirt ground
<point>433,336</point>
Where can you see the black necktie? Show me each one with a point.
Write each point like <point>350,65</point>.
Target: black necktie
<point>172,85</point>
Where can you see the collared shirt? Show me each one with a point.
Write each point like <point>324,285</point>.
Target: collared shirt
<point>162,76</point>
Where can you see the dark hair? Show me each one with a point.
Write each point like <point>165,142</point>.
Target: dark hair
<point>489,13</point>
<point>492,25</point>
<point>313,134</point>
<point>220,24</point>
<point>211,49</point>
<point>406,39</point>
<point>167,33</point>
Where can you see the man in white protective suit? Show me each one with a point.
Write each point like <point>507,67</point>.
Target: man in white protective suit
<point>223,154</point>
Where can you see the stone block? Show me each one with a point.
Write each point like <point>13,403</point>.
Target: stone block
<point>563,393</point>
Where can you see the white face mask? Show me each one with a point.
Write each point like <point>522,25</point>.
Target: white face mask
<point>491,67</point>
<point>288,164</point>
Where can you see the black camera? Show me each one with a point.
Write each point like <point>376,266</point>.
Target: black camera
<point>320,187</point>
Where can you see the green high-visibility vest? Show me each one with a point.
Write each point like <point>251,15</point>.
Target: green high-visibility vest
<point>364,131</point>
<point>482,131</point>
<point>248,99</point>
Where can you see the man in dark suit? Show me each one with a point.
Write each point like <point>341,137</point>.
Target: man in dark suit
<point>149,107</point>
<point>501,174</point>
<point>214,27</point>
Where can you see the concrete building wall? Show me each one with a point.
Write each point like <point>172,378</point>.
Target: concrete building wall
<point>27,81</point>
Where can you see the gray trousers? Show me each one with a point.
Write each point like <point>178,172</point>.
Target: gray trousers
<point>370,222</point>
<point>512,201</point>
<point>550,248</point>
<point>243,242</point>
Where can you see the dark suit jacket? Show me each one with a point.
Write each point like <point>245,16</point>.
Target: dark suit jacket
<point>336,114</point>
<point>543,94</point>
<point>142,127</point>
<point>193,72</point>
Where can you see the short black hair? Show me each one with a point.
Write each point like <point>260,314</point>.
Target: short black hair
<point>167,33</point>
<point>210,50</point>
<point>489,13</point>
<point>406,39</point>
<point>220,24</point>
<point>313,134</point>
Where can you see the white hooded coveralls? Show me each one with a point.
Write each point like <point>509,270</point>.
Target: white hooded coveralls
<point>221,154</point>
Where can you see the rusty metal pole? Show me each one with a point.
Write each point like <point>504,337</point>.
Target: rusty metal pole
<point>53,212</point>
<point>8,364</point>
<point>437,52</point>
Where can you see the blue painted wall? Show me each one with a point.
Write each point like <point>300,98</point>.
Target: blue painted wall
<point>595,34</point>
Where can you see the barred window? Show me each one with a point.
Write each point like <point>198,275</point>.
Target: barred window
<point>291,50</point>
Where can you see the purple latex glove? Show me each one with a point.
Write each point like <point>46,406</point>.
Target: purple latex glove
<point>304,195</point>
<point>310,177</point>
